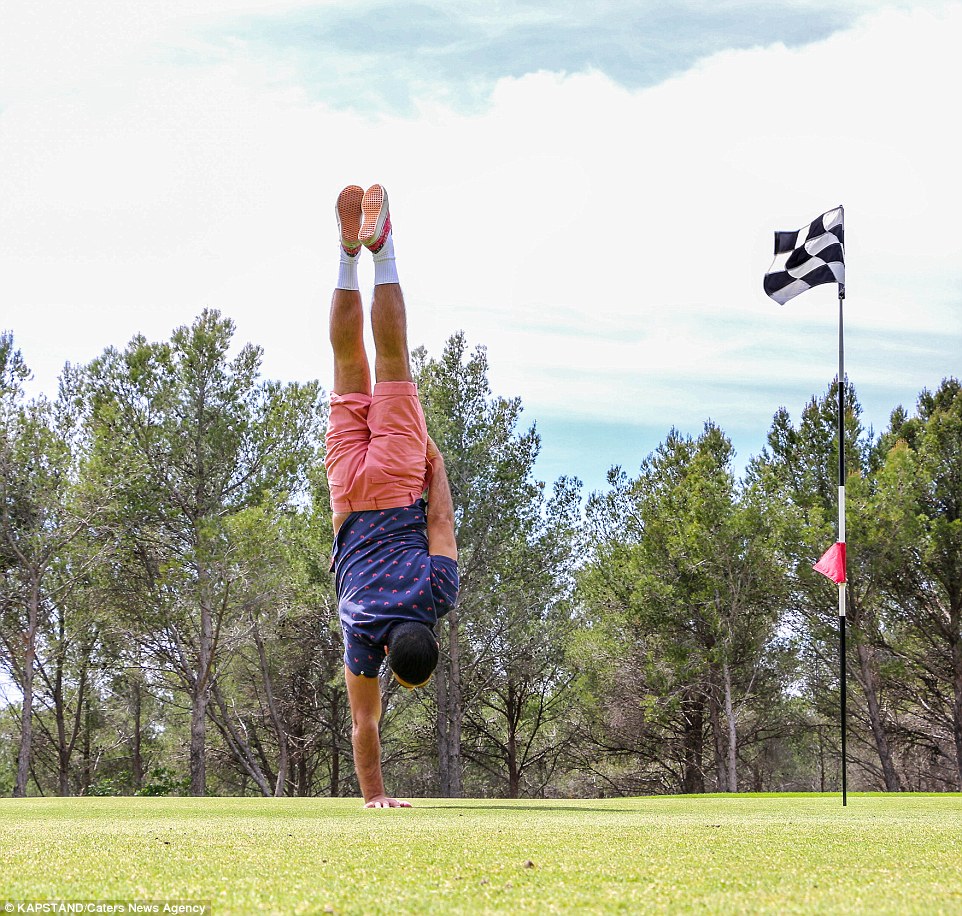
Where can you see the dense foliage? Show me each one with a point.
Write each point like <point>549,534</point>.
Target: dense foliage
<point>168,623</point>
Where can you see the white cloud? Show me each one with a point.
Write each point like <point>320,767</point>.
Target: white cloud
<point>607,245</point>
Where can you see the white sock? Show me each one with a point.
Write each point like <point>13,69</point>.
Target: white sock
<point>347,270</point>
<point>385,269</point>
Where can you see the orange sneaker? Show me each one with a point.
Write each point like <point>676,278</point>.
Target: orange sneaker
<point>348,210</point>
<point>377,218</point>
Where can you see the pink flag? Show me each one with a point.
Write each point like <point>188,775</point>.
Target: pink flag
<point>832,563</point>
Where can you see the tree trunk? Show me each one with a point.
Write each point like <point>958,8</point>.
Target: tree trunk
<point>198,737</point>
<point>732,730</point>
<point>714,718</point>
<point>693,710</point>
<point>275,715</point>
<point>200,693</point>
<point>86,773</point>
<point>957,705</point>
<point>237,742</point>
<point>441,678</point>
<point>60,715</point>
<point>297,762</point>
<point>450,714</point>
<point>65,742</point>
<point>335,767</point>
<point>514,780</point>
<point>866,662</point>
<point>300,769</point>
<point>456,707</point>
<point>137,760</point>
<point>336,710</point>
<point>26,719</point>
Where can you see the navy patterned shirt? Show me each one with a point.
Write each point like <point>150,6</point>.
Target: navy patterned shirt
<point>384,576</point>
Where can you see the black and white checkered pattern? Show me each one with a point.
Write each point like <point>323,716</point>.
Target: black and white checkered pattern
<point>813,255</point>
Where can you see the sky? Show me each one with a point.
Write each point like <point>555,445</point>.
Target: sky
<point>588,190</point>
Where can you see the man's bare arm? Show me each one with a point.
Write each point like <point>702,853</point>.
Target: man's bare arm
<point>364,694</point>
<point>441,539</point>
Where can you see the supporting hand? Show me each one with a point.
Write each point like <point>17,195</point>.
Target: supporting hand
<point>385,801</point>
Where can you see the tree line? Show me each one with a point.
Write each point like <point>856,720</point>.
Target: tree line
<point>168,622</point>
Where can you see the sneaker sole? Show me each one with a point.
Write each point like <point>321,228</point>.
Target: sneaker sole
<point>348,210</point>
<point>377,221</point>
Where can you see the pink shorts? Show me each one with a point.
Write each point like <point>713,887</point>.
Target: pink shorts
<point>376,448</point>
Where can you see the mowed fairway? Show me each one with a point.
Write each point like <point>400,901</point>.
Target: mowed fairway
<point>748,854</point>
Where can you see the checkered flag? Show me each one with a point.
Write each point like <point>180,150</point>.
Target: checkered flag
<point>813,255</point>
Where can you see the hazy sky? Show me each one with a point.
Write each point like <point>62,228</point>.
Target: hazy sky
<point>589,190</point>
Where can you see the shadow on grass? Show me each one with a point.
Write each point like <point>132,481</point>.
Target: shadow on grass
<point>519,808</point>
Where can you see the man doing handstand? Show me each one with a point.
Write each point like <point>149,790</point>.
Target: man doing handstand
<point>394,557</point>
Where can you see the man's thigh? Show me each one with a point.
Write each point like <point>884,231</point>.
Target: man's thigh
<point>397,452</point>
<point>348,438</point>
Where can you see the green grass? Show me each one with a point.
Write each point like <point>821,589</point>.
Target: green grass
<point>740,854</point>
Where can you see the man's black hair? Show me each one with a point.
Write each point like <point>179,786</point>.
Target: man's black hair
<point>412,652</point>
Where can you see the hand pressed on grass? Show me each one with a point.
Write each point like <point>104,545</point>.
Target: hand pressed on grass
<point>385,801</point>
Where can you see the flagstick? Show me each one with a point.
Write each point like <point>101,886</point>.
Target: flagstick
<point>841,531</point>
<point>820,245</point>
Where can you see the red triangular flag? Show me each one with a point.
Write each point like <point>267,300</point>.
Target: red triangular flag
<point>832,563</point>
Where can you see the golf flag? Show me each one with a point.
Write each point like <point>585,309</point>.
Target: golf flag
<point>832,563</point>
<point>812,256</point>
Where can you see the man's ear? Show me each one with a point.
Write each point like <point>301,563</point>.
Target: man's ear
<point>387,650</point>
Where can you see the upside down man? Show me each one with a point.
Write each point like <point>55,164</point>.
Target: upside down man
<point>395,554</point>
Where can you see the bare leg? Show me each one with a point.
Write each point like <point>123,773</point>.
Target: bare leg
<point>352,373</point>
<point>389,322</point>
